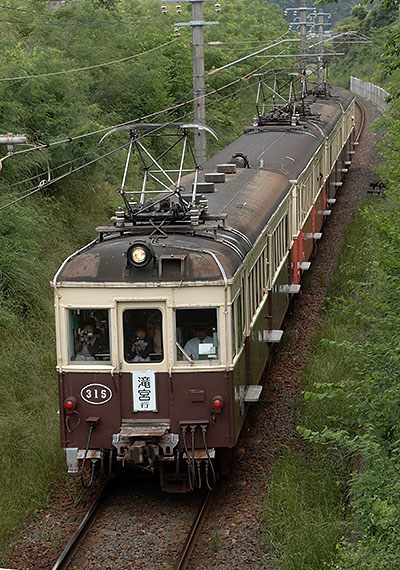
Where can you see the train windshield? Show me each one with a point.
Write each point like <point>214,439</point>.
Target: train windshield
<point>196,335</point>
<point>143,335</point>
<point>89,338</point>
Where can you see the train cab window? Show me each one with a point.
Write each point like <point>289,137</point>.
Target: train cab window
<point>196,335</point>
<point>142,335</point>
<point>89,337</point>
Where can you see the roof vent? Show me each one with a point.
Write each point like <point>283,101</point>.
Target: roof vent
<point>172,267</point>
<point>216,177</point>
<point>229,168</point>
<point>204,187</point>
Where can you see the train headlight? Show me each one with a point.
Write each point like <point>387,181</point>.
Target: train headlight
<point>140,254</point>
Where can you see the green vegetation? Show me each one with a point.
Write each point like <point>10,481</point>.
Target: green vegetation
<point>349,413</point>
<point>303,510</point>
<point>37,233</point>
<point>349,416</point>
<point>375,61</point>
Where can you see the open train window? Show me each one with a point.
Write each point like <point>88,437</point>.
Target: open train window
<point>142,335</point>
<point>89,337</point>
<point>196,335</point>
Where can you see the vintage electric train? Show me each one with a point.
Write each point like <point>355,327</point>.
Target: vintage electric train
<point>165,321</point>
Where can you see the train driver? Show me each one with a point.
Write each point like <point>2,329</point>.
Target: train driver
<point>192,347</point>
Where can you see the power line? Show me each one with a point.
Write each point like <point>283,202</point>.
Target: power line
<point>89,66</point>
<point>41,186</point>
<point>78,24</point>
<point>44,172</point>
<point>149,116</point>
<point>87,22</point>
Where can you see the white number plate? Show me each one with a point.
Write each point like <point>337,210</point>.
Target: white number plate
<point>144,391</point>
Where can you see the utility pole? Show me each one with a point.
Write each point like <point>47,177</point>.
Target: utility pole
<point>321,49</point>
<point>303,35</point>
<point>197,24</point>
<point>306,24</point>
<point>199,88</point>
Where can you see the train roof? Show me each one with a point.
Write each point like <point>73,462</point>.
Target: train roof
<point>247,200</point>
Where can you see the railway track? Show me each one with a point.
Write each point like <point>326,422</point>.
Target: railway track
<point>79,536</point>
<point>67,557</point>
<point>193,534</point>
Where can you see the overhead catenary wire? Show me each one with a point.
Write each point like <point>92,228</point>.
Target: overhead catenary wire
<point>72,161</point>
<point>148,116</point>
<point>53,168</point>
<point>245,77</point>
<point>88,24</point>
<point>88,67</point>
<point>170,109</point>
<point>40,187</point>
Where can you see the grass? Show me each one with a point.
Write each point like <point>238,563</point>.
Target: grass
<point>31,249</point>
<point>305,504</point>
<point>303,511</point>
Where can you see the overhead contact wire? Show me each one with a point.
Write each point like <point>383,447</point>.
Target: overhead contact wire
<point>169,109</point>
<point>150,115</point>
<point>32,191</point>
<point>88,67</point>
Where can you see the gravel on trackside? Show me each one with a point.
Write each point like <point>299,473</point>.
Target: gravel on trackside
<point>143,523</point>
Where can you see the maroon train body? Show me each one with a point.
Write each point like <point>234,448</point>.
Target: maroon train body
<point>165,322</point>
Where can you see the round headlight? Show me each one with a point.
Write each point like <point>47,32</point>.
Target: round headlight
<point>139,254</point>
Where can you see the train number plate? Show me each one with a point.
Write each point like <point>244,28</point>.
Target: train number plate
<point>144,391</point>
<point>96,394</point>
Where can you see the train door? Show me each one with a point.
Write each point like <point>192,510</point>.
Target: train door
<point>142,356</point>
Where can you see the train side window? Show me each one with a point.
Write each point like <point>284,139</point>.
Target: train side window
<point>142,335</point>
<point>237,322</point>
<point>89,336</point>
<point>196,335</point>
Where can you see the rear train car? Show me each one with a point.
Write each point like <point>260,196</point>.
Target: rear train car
<point>165,322</point>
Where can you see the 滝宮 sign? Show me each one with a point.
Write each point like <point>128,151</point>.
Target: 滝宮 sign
<point>144,391</point>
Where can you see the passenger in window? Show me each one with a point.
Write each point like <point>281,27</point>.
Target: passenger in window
<point>141,347</point>
<point>191,348</point>
<point>88,343</point>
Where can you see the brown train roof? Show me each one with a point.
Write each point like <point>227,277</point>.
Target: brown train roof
<point>249,198</point>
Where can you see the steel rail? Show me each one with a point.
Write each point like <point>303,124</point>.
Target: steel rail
<point>65,558</point>
<point>193,534</point>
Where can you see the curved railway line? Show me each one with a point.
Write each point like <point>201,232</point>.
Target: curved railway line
<point>183,559</point>
<point>221,506</point>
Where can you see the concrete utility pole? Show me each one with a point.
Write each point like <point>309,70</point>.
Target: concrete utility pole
<point>303,35</point>
<point>198,80</point>
<point>321,50</point>
<point>197,24</point>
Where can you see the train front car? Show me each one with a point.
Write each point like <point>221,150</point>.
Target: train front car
<point>165,322</point>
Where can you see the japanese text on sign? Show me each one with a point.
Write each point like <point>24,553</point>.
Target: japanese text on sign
<point>144,391</point>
